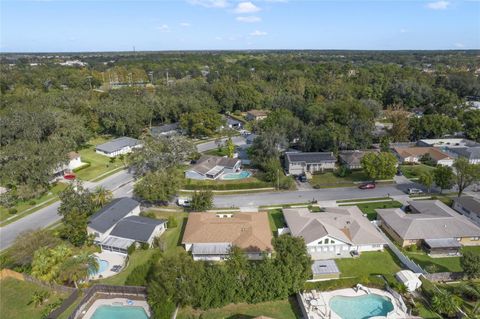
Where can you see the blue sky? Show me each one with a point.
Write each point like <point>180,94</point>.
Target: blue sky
<point>89,25</point>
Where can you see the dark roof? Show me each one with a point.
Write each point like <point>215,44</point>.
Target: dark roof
<point>117,144</point>
<point>470,203</point>
<point>468,152</point>
<point>353,157</point>
<point>137,228</point>
<point>231,121</point>
<point>325,267</point>
<point>155,130</point>
<point>112,213</point>
<point>208,162</point>
<point>313,157</point>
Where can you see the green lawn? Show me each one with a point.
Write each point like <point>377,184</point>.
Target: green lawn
<point>369,208</point>
<point>246,183</point>
<point>441,264</point>
<point>281,309</point>
<point>99,164</point>
<point>15,299</point>
<point>22,206</point>
<point>330,179</point>
<point>369,263</point>
<point>414,171</point>
<point>362,200</point>
<point>276,220</point>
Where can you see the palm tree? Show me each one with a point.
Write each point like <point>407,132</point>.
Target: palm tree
<point>38,297</point>
<point>78,268</point>
<point>445,303</point>
<point>101,196</point>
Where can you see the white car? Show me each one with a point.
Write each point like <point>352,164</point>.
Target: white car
<point>184,202</point>
<point>412,191</point>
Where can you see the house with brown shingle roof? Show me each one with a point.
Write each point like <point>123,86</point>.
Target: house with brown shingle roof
<point>415,154</point>
<point>256,115</point>
<point>333,233</point>
<point>210,236</point>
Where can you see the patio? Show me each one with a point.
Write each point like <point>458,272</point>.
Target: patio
<point>112,259</point>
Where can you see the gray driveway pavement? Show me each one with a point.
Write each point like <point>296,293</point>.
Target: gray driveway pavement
<point>207,146</point>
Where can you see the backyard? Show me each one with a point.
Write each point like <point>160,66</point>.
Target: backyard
<point>443,264</point>
<point>369,263</point>
<point>330,179</point>
<point>414,171</point>
<point>276,220</point>
<point>369,208</point>
<point>100,165</point>
<point>16,300</point>
<point>280,309</point>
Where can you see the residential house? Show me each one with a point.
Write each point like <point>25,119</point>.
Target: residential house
<point>212,167</point>
<point>234,123</point>
<point>468,206</point>
<point>415,155</point>
<point>74,162</point>
<point>298,163</point>
<point>472,154</point>
<point>165,130</point>
<point>334,233</point>
<point>118,225</point>
<point>431,224</point>
<point>210,236</point>
<point>352,159</point>
<point>455,147</point>
<point>118,146</point>
<point>256,115</point>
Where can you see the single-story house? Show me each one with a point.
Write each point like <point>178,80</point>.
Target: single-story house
<point>234,123</point>
<point>298,163</point>
<point>212,167</point>
<point>468,206</point>
<point>325,270</point>
<point>118,146</point>
<point>352,159</point>
<point>455,147</point>
<point>334,233</point>
<point>118,225</point>
<point>74,161</point>
<point>431,224</point>
<point>447,142</point>
<point>472,154</point>
<point>210,236</point>
<point>415,154</point>
<point>256,115</point>
<point>409,279</point>
<point>165,130</point>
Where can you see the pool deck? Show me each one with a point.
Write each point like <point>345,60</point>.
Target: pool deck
<point>316,304</point>
<point>113,259</point>
<point>114,302</point>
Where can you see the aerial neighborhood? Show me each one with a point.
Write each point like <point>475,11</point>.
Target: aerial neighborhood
<point>240,185</point>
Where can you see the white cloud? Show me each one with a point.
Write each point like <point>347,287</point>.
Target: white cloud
<point>185,24</point>
<point>459,45</point>
<point>210,3</point>
<point>246,7</point>
<point>164,28</point>
<point>258,33</point>
<point>248,19</point>
<point>438,5</point>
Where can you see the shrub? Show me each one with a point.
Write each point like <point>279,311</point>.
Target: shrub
<point>131,249</point>
<point>144,246</point>
<point>32,203</point>
<point>12,211</point>
<point>343,171</point>
<point>138,277</point>
<point>148,214</point>
<point>172,222</point>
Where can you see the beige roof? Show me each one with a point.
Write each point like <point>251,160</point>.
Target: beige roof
<point>249,231</point>
<point>434,220</point>
<point>72,155</point>
<point>405,152</point>
<point>346,224</point>
<point>208,162</point>
<point>258,112</point>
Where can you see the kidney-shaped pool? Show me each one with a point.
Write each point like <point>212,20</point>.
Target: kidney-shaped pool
<point>361,307</point>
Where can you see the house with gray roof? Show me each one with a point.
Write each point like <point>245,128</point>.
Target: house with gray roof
<point>298,163</point>
<point>118,146</point>
<point>468,206</point>
<point>431,224</point>
<point>118,225</point>
<point>334,233</point>
<point>212,167</point>
<point>165,130</point>
<point>353,159</point>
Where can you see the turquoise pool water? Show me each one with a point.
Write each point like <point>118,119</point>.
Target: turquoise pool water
<point>102,266</point>
<point>119,312</point>
<point>232,176</point>
<point>362,307</point>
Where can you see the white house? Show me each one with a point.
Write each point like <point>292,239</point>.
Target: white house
<point>212,167</point>
<point>415,155</point>
<point>334,233</point>
<point>118,225</point>
<point>298,163</point>
<point>118,146</point>
<point>74,161</point>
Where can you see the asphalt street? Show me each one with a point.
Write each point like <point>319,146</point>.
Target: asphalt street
<point>237,140</point>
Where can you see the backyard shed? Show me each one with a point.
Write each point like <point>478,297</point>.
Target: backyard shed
<point>409,279</point>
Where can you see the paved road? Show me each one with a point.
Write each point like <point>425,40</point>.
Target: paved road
<point>237,140</point>
<point>325,194</point>
<point>120,183</point>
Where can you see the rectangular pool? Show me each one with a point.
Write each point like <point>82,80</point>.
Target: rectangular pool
<point>119,312</point>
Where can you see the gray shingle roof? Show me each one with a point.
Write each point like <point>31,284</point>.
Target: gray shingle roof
<point>435,220</point>
<point>156,130</point>
<point>207,163</point>
<point>313,157</point>
<point>137,228</point>
<point>353,157</point>
<point>117,144</point>
<point>470,203</point>
<point>468,152</point>
<point>109,215</point>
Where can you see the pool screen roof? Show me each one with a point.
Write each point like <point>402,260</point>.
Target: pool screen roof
<point>325,267</point>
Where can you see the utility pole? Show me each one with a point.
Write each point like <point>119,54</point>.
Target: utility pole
<point>278,179</point>
<point>167,77</point>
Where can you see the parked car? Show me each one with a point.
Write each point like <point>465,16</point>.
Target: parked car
<point>367,186</point>
<point>184,202</point>
<point>399,172</point>
<point>412,191</point>
<point>302,178</point>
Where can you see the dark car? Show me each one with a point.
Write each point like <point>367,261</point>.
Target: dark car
<point>367,186</point>
<point>399,173</point>
<point>302,178</point>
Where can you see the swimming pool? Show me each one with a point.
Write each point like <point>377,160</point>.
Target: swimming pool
<point>361,307</point>
<point>233,176</point>
<point>102,266</point>
<point>119,312</point>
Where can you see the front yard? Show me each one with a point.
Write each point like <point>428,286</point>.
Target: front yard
<point>414,171</point>
<point>330,179</point>
<point>100,165</point>
<point>246,183</point>
<point>16,299</point>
